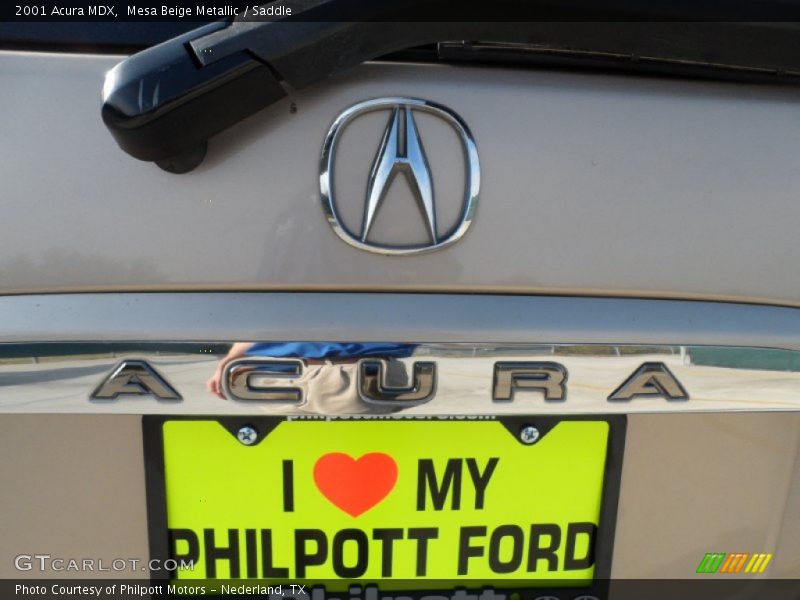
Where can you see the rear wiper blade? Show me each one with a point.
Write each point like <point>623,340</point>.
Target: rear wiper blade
<point>164,103</point>
<point>744,52</point>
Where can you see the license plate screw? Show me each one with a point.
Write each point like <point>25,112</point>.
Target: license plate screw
<point>529,434</point>
<point>247,435</point>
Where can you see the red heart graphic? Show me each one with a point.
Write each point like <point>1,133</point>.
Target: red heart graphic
<point>353,485</point>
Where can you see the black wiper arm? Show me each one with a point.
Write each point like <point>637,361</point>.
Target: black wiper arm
<point>162,104</point>
<point>165,103</point>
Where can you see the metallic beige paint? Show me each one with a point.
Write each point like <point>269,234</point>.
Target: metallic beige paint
<point>591,184</point>
<point>713,483</point>
<point>72,487</point>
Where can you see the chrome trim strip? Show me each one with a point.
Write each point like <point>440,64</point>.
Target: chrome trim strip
<point>419,379</point>
<point>321,316</point>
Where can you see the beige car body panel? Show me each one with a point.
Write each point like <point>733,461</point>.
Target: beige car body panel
<point>591,185</point>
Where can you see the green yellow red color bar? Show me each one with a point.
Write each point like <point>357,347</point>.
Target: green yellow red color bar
<point>736,562</point>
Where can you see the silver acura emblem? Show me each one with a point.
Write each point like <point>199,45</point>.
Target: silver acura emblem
<point>401,151</point>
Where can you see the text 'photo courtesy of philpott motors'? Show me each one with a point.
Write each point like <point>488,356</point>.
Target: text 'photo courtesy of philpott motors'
<point>385,498</point>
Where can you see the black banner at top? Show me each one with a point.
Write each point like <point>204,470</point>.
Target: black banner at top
<point>199,11</point>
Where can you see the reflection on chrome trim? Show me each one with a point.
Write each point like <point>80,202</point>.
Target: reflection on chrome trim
<point>374,386</point>
<point>416,379</point>
<point>263,380</point>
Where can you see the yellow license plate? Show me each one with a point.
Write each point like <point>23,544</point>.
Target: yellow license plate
<point>377,499</point>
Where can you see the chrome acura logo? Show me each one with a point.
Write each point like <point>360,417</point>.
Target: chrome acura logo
<point>401,151</point>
